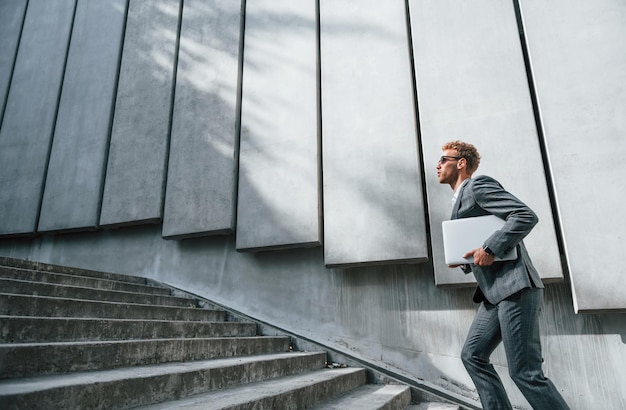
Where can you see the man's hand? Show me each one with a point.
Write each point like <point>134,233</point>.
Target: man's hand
<point>481,258</point>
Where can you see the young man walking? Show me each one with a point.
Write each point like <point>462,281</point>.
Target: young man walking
<point>510,293</point>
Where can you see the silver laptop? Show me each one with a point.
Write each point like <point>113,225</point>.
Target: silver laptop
<point>462,235</point>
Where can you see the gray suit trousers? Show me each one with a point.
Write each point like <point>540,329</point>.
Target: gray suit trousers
<point>515,322</point>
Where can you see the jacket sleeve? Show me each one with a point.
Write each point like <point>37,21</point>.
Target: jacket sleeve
<point>495,200</point>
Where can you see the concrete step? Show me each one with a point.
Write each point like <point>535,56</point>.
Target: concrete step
<point>43,306</point>
<point>38,359</point>
<point>293,392</point>
<point>434,406</point>
<point>143,385</point>
<point>22,287</point>
<point>81,281</point>
<point>36,329</point>
<point>46,267</point>
<point>371,397</point>
<point>71,338</point>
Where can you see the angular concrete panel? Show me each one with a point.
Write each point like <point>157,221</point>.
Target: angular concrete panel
<point>472,86</point>
<point>200,194</point>
<point>578,55</point>
<point>30,112</point>
<point>373,201</point>
<point>75,175</point>
<point>278,199</point>
<point>11,20</point>
<point>135,178</point>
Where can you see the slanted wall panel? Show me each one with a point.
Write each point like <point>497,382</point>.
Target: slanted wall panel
<point>76,171</point>
<point>135,178</point>
<point>11,19</point>
<point>373,200</point>
<point>31,111</point>
<point>201,173</point>
<point>578,54</point>
<point>278,199</point>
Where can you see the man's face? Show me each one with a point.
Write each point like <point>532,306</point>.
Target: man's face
<point>447,170</point>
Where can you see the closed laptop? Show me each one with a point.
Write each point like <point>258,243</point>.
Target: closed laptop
<point>463,235</point>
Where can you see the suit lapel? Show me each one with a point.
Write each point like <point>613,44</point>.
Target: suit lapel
<point>457,203</point>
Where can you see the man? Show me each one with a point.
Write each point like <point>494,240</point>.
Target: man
<point>510,293</point>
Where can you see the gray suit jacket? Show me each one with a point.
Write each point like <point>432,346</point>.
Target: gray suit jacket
<point>483,196</point>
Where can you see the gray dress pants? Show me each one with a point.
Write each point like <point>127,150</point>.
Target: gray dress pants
<point>515,323</point>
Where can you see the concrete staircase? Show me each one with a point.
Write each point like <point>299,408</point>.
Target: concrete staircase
<point>73,339</point>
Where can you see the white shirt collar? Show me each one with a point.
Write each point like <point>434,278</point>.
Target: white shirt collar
<point>456,193</point>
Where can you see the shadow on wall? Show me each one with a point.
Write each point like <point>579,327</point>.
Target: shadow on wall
<point>202,164</point>
<point>279,153</point>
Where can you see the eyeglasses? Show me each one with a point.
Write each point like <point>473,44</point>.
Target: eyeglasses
<point>446,158</point>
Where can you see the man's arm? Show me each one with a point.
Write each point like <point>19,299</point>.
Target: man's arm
<point>520,219</point>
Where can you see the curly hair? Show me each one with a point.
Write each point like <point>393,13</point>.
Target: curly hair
<point>467,151</point>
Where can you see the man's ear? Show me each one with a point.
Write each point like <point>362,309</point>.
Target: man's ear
<point>461,163</point>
